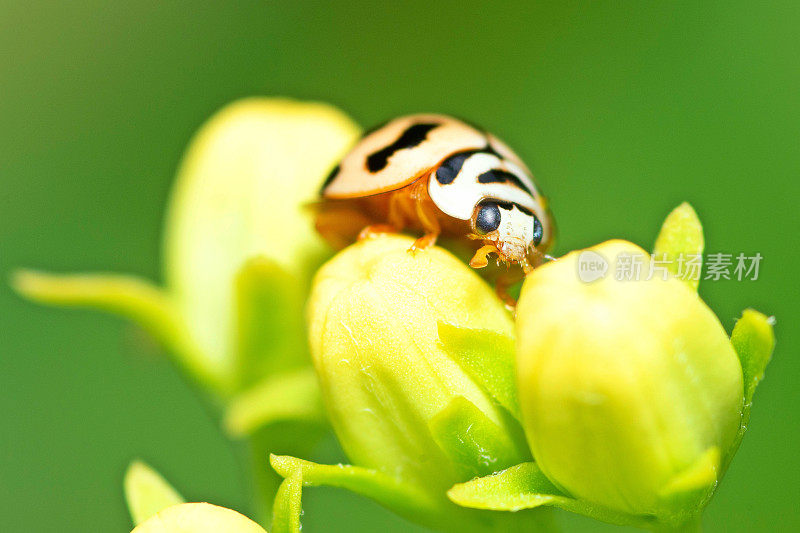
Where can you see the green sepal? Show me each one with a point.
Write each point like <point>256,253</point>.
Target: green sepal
<point>688,492</point>
<point>288,504</point>
<point>681,234</point>
<point>127,296</point>
<point>270,331</point>
<point>524,486</point>
<point>472,441</point>
<point>753,338</point>
<point>294,396</point>
<point>146,492</point>
<point>393,494</point>
<point>488,357</point>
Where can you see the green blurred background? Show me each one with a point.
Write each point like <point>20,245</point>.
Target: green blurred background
<point>623,110</point>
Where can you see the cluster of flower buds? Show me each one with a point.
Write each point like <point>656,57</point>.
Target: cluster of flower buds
<point>632,396</point>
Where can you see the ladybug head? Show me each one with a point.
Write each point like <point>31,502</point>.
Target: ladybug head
<point>517,234</point>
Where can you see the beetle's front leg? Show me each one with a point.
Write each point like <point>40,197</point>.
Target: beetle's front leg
<point>426,214</point>
<point>505,280</point>
<point>394,220</point>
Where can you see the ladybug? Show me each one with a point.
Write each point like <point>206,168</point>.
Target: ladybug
<point>439,176</point>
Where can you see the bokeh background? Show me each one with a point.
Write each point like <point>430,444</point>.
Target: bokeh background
<point>623,110</point>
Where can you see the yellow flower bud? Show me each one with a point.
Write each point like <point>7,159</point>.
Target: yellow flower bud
<point>156,507</point>
<point>237,231</point>
<point>399,400</point>
<point>630,390</point>
<point>198,518</point>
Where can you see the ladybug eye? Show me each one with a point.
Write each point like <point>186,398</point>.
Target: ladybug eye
<point>538,231</point>
<point>488,218</point>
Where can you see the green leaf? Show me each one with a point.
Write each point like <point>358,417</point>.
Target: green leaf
<point>488,357</point>
<point>391,493</point>
<point>475,444</point>
<point>681,236</point>
<point>135,299</point>
<point>753,339</point>
<point>524,486</point>
<point>271,333</point>
<point>283,397</point>
<point>288,504</point>
<point>147,493</point>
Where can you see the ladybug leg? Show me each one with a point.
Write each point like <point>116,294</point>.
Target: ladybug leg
<point>394,219</point>
<point>425,211</point>
<point>481,259</point>
<point>504,282</point>
<point>429,239</point>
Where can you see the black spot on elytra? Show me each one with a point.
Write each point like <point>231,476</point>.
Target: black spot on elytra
<point>451,166</point>
<point>503,176</point>
<point>331,176</point>
<point>410,138</point>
